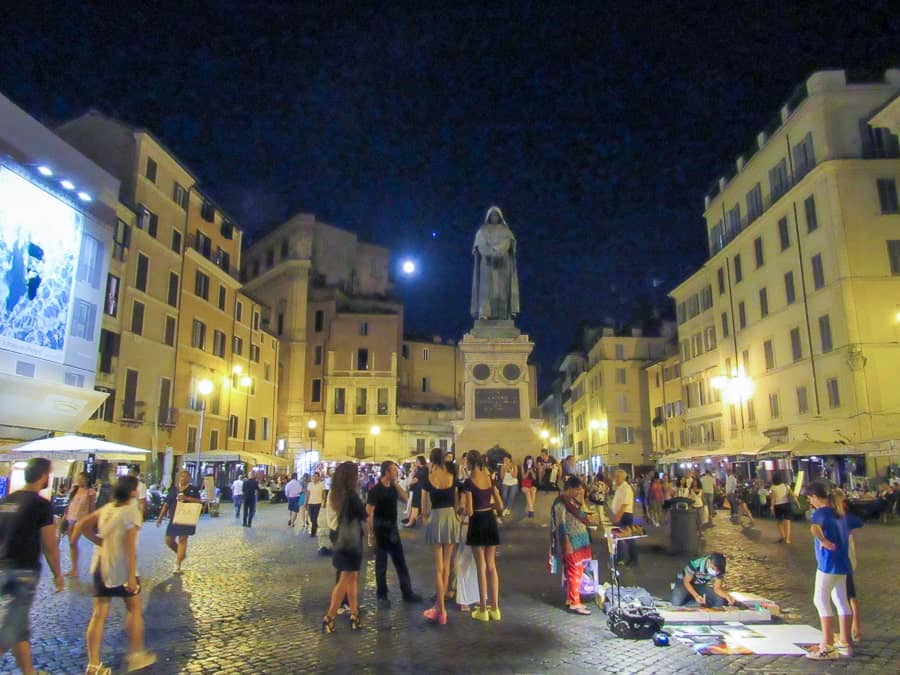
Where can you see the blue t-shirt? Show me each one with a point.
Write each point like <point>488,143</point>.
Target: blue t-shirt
<point>838,560</point>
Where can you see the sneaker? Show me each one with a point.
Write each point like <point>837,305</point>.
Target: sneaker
<point>139,660</point>
<point>412,597</point>
<point>494,613</point>
<point>384,602</point>
<point>843,649</point>
<point>820,653</point>
<point>481,614</point>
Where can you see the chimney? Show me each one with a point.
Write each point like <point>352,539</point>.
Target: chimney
<point>740,163</point>
<point>785,113</point>
<point>761,139</point>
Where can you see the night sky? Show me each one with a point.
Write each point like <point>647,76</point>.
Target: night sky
<point>597,128</point>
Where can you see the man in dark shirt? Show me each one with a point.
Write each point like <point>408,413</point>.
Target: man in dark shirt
<point>381,507</point>
<point>251,491</point>
<point>26,529</point>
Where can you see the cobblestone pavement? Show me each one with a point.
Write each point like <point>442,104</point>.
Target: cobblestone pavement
<point>252,600</point>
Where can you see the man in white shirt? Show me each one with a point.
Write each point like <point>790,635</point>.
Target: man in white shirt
<point>623,512</point>
<point>314,499</point>
<point>708,485</point>
<point>237,495</point>
<point>292,491</point>
<point>730,490</point>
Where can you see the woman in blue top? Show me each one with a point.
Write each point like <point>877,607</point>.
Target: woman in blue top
<point>833,566</point>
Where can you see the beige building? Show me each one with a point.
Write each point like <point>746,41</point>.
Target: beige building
<point>665,405</point>
<point>790,330</point>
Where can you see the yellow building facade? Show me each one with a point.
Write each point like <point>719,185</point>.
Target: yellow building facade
<point>665,405</point>
<point>790,329</point>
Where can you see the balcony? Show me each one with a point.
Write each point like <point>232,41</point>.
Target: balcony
<point>203,245</point>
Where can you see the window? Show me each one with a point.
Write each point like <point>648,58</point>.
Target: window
<point>143,270</point>
<point>111,298</point>
<point>237,346</point>
<point>685,350</point>
<point>620,376</point>
<point>176,241</point>
<point>382,401</point>
<point>165,401</point>
<point>208,211</point>
<point>716,238</point>
<point>232,426</point>
<point>774,408</point>
<point>709,338</point>
<point>834,393</point>
<point>751,412</point>
<point>150,171</point>
<point>265,428</point>
<point>825,333</point>
<point>425,354</point>
<point>340,400</point>
<point>359,447</point>
<point>106,411</point>
<point>763,303</point>
<point>364,328</point>
<point>316,395</point>
<point>121,239</point>
<point>742,315</point>
<point>198,334</point>
<point>213,439</point>
<point>317,355</point>
<point>147,220</point>
<point>733,222</point>
<point>778,179</point>
<point>818,272</point>
<point>238,310</point>
<point>180,195</point>
<point>267,372</point>
<point>219,343</point>
<point>404,351</point>
<point>893,247</point>
<point>192,440</point>
<point>622,401</point>
<point>137,318</point>
<point>361,401</point>
<point>222,298</point>
<point>802,402</point>
<point>169,334</point>
<point>89,261</point>
<point>255,320</point>
<point>129,402</point>
<point>721,279</point>
<point>84,318</point>
<point>789,293</point>
<point>624,434</point>
<point>796,345</point>
<point>758,252</point>
<point>203,245</point>
<point>201,285</point>
<point>769,351</point>
<point>319,320</point>
<point>738,272</point>
<point>784,234</point>
<point>812,220</point>
<point>172,296</point>
<point>725,328</point>
<point>745,358</point>
<point>254,353</point>
<point>804,157</point>
<point>251,429</point>
<point>754,203</point>
<point>887,195</point>
<point>362,359</point>
<point>620,352</point>
<point>279,324</point>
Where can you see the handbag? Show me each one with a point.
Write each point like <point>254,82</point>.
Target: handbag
<point>349,532</point>
<point>187,513</point>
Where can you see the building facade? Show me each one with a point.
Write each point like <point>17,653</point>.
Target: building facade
<point>665,405</point>
<point>790,329</point>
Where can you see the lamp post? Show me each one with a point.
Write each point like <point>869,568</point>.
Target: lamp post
<point>544,436</point>
<point>204,389</point>
<point>375,430</point>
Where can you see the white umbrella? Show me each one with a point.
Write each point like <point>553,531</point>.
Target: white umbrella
<point>70,443</point>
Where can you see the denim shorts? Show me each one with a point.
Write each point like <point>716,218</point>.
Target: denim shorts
<point>17,588</point>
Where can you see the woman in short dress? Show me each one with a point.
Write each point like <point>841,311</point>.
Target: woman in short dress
<point>348,552</point>
<point>81,503</point>
<point>529,485</point>
<point>440,502</point>
<point>480,500</point>
<point>177,535</point>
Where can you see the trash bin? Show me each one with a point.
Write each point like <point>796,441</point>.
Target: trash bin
<point>683,528</point>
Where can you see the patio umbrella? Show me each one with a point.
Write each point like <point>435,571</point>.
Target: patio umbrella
<point>71,443</point>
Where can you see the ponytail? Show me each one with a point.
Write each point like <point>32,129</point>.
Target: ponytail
<point>474,459</point>
<point>838,502</point>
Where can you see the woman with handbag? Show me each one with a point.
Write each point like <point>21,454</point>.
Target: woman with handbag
<point>483,536</point>
<point>177,533</point>
<point>81,503</point>
<point>348,543</point>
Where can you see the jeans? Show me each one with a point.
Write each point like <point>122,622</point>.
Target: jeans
<point>249,511</point>
<point>732,499</point>
<point>314,518</point>
<point>709,498</point>
<point>17,589</point>
<point>238,501</point>
<point>630,544</point>
<point>508,493</point>
<point>387,541</point>
<point>680,595</point>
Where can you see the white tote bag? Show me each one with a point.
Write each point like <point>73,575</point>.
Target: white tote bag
<point>187,513</point>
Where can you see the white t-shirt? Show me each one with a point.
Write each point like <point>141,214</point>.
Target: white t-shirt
<point>708,483</point>
<point>113,523</point>
<point>293,489</point>
<point>624,497</point>
<point>730,484</point>
<point>316,491</point>
<point>780,494</point>
<point>509,477</point>
<point>237,488</point>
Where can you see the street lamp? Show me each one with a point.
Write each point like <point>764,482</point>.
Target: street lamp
<point>735,387</point>
<point>544,436</point>
<point>554,442</point>
<point>375,430</point>
<point>204,389</point>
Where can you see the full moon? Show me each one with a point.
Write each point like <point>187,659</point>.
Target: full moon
<point>408,267</point>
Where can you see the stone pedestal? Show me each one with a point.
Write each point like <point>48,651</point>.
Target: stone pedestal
<point>497,388</point>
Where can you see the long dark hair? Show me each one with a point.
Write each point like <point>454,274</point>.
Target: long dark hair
<point>343,482</point>
<point>75,487</point>
<point>123,489</point>
<point>437,457</point>
<point>474,459</point>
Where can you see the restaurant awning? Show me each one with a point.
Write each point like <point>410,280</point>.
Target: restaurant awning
<point>806,447</point>
<point>255,458</point>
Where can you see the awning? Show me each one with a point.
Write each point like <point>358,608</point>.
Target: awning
<point>691,455</point>
<point>73,444</point>
<point>255,458</point>
<point>806,447</point>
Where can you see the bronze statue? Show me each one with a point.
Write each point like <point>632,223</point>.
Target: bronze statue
<point>495,282</point>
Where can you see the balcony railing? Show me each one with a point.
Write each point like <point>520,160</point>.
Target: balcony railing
<point>220,259</point>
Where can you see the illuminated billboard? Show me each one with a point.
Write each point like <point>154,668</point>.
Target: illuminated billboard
<point>40,243</point>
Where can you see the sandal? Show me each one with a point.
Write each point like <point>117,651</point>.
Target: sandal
<point>354,622</point>
<point>579,609</point>
<point>328,624</point>
<point>823,653</point>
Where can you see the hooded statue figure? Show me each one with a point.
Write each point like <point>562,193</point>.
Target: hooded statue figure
<point>495,282</point>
